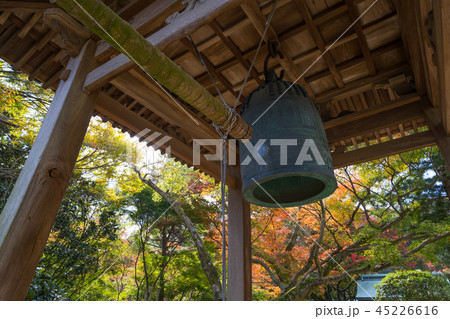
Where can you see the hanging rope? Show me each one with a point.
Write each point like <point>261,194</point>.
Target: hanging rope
<point>224,130</point>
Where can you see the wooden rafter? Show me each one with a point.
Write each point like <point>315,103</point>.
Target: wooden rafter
<point>212,69</point>
<point>410,36</point>
<point>306,55</point>
<point>353,14</point>
<point>395,146</point>
<point>255,15</point>
<point>361,85</point>
<point>302,7</point>
<point>235,50</point>
<point>176,30</point>
<point>357,116</point>
<point>161,68</point>
<point>144,21</point>
<point>115,111</point>
<point>376,121</point>
<point>25,6</point>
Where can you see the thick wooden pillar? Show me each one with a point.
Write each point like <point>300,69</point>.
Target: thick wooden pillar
<point>441,14</point>
<point>239,246</point>
<point>30,212</point>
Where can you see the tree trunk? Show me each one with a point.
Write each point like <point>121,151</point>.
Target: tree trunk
<point>210,270</point>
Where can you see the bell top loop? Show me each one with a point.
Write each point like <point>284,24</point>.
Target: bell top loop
<point>273,48</point>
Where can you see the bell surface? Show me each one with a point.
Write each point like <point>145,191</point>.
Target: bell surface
<point>287,162</point>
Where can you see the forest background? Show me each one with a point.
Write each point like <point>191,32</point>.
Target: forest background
<point>150,228</point>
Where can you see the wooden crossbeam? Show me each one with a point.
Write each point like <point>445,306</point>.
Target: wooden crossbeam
<point>144,21</point>
<point>190,21</point>
<point>154,62</point>
<point>410,36</point>
<point>136,85</point>
<point>302,7</point>
<point>356,61</point>
<point>25,6</point>
<point>255,15</point>
<point>322,17</point>
<point>120,114</point>
<point>361,115</point>
<point>363,125</point>
<point>396,146</point>
<point>360,85</point>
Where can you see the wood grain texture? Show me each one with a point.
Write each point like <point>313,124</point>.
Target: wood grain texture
<point>204,12</point>
<point>441,12</point>
<point>239,247</point>
<point>375,122</point>
<point>28,216</point>
<point>396,146</point>
<point>434,121</point>
<point>115,111</point>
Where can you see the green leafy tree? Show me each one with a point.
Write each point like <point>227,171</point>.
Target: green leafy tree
<point>391,212</point>
<point>413,286</point>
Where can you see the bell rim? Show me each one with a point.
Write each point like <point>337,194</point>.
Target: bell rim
<point>329,182</point>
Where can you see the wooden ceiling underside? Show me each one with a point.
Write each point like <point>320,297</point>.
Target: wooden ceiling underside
<point>365,85</point>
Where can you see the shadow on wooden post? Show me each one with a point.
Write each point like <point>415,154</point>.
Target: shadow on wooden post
<point>30,212</point>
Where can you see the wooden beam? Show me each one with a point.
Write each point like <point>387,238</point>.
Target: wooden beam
<point>235,50</point>
<point>424,23</point>
<point>360,85</point>
<point>374,122</point>
<point>25,6</point>
<point>177,29</point>
<point>149,18</point>
<point>37,46</point>
<point>239,246</point>
<point>137,86</point>
<point>29,25</point>
<point>258,20</point>
<point>218,76</point>
<point>113,110</point>
<point>29,214</point>
<point>434,122</point>
<point>396,146</point>
<point>410,36</point>
<point>361,115</point>
<point>304,10</point>
<point>441,12</point>
<point>285,36</point>
<point>353,14</point>
<point>94,13</point>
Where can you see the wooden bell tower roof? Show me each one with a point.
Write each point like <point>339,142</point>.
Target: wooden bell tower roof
<point>378,87</point>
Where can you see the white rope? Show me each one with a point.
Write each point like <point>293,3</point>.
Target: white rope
<point>224,130</point>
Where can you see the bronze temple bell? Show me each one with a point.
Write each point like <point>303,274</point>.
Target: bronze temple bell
<point>292,166</point>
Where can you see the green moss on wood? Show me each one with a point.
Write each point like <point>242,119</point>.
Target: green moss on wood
<point>159,66</point>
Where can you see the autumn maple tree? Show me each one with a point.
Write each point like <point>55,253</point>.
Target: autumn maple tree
<point>387,213</point>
